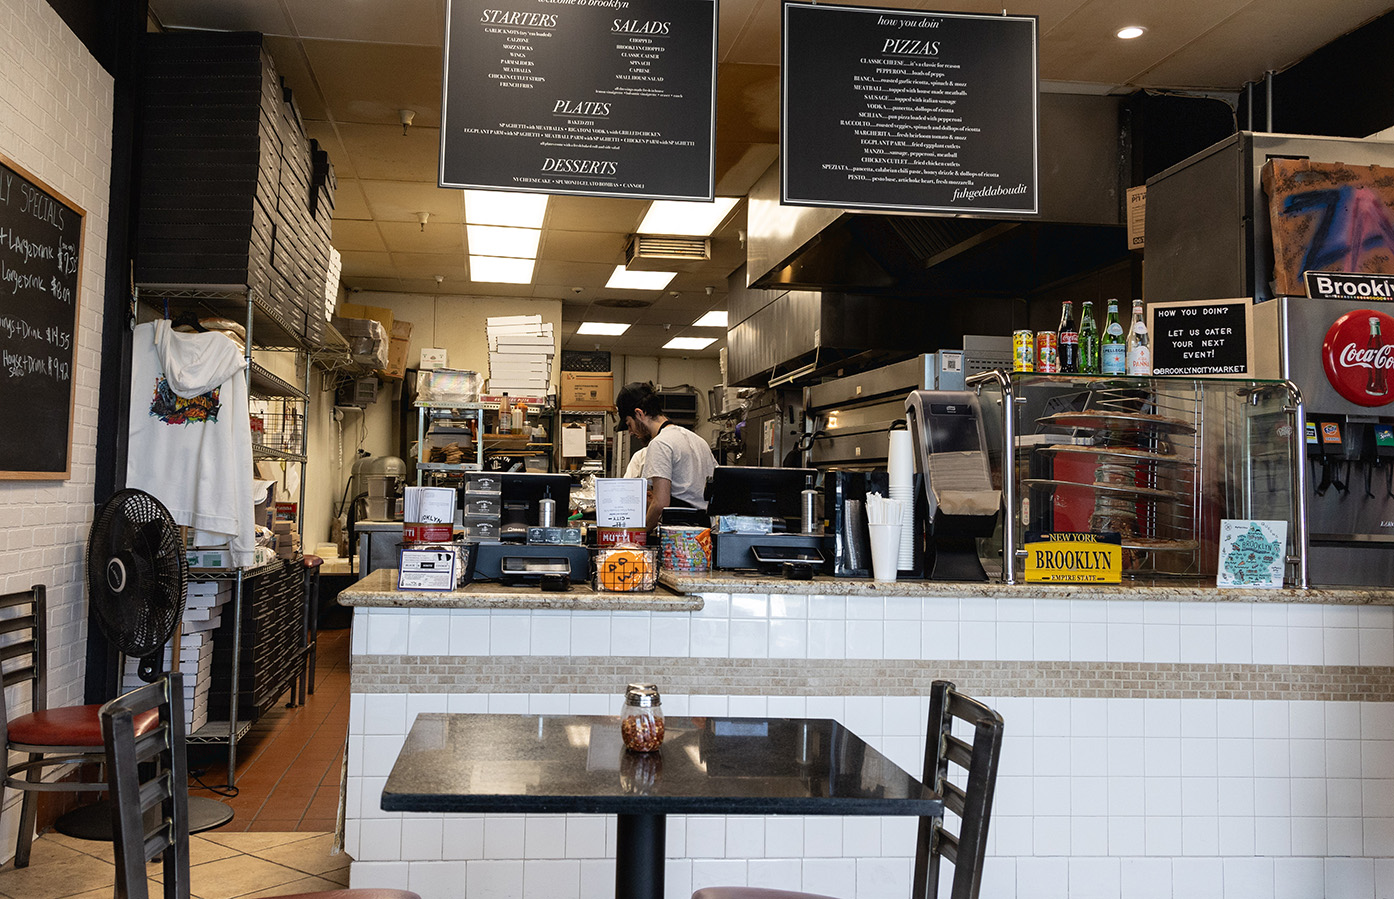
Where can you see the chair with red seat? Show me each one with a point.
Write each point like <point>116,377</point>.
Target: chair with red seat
<point>52,738</point>
<point>161,801</point>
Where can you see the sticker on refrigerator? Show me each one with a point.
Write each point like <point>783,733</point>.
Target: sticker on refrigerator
<point>767,436</point>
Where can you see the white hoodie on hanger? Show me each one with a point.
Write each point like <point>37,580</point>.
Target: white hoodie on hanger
<point>190,438</point>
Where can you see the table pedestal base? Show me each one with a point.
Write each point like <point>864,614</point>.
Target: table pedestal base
<point>639,853</point>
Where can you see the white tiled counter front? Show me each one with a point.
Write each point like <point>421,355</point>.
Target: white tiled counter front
<point>1154,747</point>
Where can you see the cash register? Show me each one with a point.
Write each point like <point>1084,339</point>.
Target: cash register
<point>760,492</point>
<point>530,550</point>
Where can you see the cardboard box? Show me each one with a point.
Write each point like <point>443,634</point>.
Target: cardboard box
<point>396,359</point>
<point>587,390</point>
<point>380,314</point>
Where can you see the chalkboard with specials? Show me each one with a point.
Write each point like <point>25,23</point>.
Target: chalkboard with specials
<point>40,254</point>
<point>905,110</point>
<point>1200,337</point>
<point>611,98</point>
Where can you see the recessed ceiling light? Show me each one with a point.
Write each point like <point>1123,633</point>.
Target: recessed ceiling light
<point>623,279</point>
<point>686,217</point>
<point>612,329</point>
<point>689,343</point>
<point>493,240</point>
<point>499,207</point>
<point>497,270</point>
<point>714,319</point>
<point>1131,32</point>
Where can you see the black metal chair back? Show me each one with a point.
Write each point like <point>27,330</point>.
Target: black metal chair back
<point>161,749</point>
<point>971,803</point>
<point>26,652</point>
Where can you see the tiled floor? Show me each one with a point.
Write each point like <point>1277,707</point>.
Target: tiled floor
<point>224,865</point>
<point>288,765</point>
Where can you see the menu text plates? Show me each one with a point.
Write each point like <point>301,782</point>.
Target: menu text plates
<point>593,97</point>
<point>907,110</point>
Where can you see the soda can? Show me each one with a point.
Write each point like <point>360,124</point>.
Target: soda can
<point>1047,353</point>
<point>1023,351</point>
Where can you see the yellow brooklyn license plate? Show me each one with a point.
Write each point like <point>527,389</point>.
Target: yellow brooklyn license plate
<point>1074,559</point>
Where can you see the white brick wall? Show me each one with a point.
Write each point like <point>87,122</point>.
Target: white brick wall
<point>55,122</point>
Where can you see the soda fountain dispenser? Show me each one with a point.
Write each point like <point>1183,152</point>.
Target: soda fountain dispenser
<point>1335,351</point>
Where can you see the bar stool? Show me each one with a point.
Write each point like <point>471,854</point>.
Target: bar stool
<point>71,735</point>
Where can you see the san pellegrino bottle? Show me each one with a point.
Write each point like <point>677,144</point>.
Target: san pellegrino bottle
<point>1139,348</point>
<point>1113,351</point>
<point>1067,339</point>
<point>1088,340</point>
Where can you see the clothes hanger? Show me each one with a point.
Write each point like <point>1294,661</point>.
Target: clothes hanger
<point>189,318</point>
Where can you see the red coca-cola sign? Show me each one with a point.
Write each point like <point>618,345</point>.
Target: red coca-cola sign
<point>1358,355</point>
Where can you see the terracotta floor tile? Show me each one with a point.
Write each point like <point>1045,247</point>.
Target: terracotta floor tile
<point>273,825</point>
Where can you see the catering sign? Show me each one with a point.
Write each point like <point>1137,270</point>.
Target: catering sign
<point>1359,359</point>
<point>1068,558</point>
<point>898,109</point>
<point>609,98</point>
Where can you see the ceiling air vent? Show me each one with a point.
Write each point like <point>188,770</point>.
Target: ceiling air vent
<point>660,253</point>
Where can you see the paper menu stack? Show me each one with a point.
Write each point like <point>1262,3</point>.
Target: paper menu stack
<point>520,354</point>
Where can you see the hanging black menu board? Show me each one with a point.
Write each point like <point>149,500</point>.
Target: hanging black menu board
<point>608,98</point>
<point>40,251</point>
<point>906,110</point>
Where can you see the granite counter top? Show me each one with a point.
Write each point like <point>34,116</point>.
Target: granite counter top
<point>379,589</point>
<point>1168,590</point>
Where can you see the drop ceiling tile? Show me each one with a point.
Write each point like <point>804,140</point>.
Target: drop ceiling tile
<point>490,289</point>
<point>410,237</point>
<point>374,21</point>
<point>402,201</point>
<point>372,283</point>
<point>354,236</point>
<point>581,246</point>
<point>384,153</point>
<point>226,15</point>
<point>427,265</point>
<point>369,265</point>
<point>572,274</point>
<point>349,202</point>
<point>592,214</point>
<point>368,83</point>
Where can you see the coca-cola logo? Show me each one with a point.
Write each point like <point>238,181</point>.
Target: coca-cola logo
<point>1358,356</point>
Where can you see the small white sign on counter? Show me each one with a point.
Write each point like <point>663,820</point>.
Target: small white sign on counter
<point>621,502</point>
<point>431,568</point>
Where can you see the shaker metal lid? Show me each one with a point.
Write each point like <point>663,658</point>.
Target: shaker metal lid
<point>642,695</point>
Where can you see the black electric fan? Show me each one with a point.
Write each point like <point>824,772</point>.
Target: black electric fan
<point>137,575</point>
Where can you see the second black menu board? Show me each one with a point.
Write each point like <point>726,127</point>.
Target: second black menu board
<point>906,110</point>
<point>591,97</point>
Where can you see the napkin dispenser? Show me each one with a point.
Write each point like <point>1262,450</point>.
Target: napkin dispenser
<point>960,502</point>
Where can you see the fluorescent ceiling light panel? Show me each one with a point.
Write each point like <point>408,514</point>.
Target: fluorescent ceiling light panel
<point>492,240</point>
<point>714,319</point>
<point>623,279</point>
<point>498,270</point>
<point>611,329</point>
<point>686,217</point>
<point>689,343</point>
<point>497,207</point>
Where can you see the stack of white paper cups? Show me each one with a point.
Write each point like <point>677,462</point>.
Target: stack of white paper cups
<point>900,465</point>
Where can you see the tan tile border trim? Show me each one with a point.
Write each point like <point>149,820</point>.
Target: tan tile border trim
<point>862,677</point>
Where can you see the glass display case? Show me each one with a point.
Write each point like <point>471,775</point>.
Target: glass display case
<point>1161,461</point>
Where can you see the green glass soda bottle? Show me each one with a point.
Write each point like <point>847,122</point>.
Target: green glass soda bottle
<point>1088,340</point>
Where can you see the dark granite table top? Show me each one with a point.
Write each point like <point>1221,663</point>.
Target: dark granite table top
<point>572,763</point>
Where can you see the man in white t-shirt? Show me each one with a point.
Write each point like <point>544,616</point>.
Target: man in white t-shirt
<point>678,462</point>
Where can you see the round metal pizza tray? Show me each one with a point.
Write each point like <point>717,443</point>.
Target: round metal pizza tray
<point>1132,422</point>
